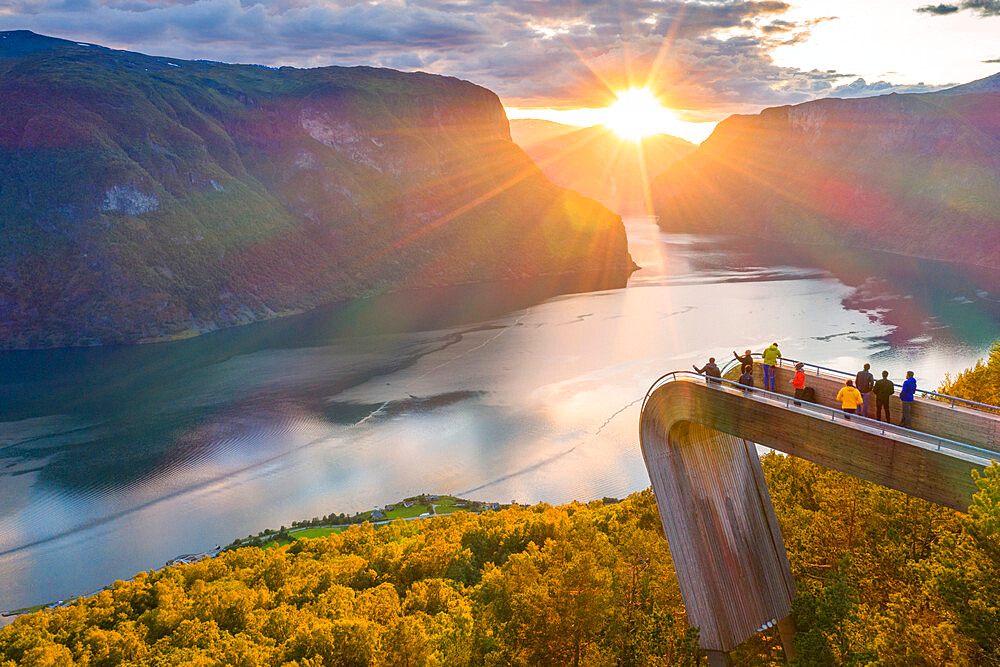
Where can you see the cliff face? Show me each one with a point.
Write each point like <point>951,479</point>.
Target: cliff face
<point>596,162</point>
<point>914,174</point>
<point>145,197</point>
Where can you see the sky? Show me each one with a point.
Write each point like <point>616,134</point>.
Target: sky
<point>704,59</point>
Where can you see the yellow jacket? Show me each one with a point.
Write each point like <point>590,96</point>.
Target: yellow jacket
<point>849,397</point>
<point>771,355</point>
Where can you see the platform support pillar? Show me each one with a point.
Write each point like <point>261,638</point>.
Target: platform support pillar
<point>719,659</point>
<point>786,630</point>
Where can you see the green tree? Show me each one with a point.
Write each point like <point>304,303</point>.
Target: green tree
<point>981,383</point>
<point>965,570</point>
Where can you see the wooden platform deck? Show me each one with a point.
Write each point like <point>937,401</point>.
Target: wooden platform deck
<point>698,440</point>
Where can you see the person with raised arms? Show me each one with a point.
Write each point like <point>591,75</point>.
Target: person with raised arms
<point>745,360</point>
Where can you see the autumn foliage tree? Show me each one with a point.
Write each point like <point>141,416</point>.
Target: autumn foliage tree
<point>882,578</point>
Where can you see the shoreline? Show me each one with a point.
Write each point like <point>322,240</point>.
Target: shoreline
<point>547,284</point>
<point>269,538</point>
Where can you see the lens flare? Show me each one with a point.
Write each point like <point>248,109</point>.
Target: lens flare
<point>637,113</point>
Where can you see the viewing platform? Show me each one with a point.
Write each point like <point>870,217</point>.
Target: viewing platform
<point>699,437</point>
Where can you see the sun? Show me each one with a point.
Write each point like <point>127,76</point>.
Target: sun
<point>637,113</point>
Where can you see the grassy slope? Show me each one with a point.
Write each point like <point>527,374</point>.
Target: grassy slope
<point>272,191</point>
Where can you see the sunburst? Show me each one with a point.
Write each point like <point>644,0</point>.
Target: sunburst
<point>637,113</point>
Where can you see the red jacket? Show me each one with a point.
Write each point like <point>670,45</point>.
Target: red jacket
<point>799,382</point>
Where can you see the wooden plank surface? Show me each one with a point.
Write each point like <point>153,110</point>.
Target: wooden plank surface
<point>717,515</point>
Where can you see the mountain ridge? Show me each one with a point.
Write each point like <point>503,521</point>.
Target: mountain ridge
<point>144,197</point>
<point>916,174</point>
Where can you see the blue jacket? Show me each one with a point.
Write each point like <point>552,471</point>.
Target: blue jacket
<point>909,386</point>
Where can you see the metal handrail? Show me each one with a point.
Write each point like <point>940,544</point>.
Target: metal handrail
<point>789,403</point>
<point>951,400</point>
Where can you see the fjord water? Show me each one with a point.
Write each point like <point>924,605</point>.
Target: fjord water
<point>115,460</point>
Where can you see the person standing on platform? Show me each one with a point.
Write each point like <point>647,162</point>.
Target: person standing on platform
<point>849,397</point>
<point>863,382</point>
<point>771,356</point>
<point>711,370</point>
<point>799,382</point>
<point>747,378</point>
<point>745,360</point>
<point>883,389</point>
<point>906,397</point>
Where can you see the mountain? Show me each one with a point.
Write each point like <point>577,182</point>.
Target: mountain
<point>596,162</point>
<point>990,84</point>
<point>145,197</point>
<point>530,131</point>
<point>916,174</point>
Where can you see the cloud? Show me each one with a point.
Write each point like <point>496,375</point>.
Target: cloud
<point>711,56</point>
<point>861,88</point>
<point>981,7</point>
<point>939,10</point>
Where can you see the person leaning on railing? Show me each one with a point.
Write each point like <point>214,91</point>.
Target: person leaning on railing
<point>770,356</point>
<point>747,378</point>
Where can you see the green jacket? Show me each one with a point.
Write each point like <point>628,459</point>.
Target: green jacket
<point>771,355</point>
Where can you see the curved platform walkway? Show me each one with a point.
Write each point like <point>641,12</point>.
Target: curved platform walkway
<point>698,440</point>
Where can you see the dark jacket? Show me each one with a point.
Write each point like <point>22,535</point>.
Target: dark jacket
<point>747,378</point>
<point>884,388</point>
<point>710,369</point>
<point>746,360</point>
<point>863,381</point>
<point>909,388</point>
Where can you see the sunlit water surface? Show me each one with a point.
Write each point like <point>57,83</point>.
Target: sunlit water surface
<point>113,461</point>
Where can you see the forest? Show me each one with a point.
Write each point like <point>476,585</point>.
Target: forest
<point>883,578</point>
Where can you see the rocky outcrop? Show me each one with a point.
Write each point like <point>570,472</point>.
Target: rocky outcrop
<point>144,197</point>
<point>913,174</point>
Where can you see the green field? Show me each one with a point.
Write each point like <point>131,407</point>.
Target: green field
<point>443,505</point>
<point>28,610</point>
<point>319,531</point>
<point>407,512</point>
<point>447,505</point>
